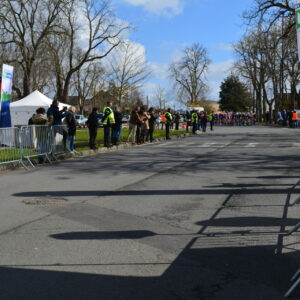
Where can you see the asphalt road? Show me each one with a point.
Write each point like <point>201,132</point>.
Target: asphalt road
<point>197,218</point>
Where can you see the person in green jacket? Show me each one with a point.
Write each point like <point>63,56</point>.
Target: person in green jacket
<point>211,119</point>
<point>195,121</point>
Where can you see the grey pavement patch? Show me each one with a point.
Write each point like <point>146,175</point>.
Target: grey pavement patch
<point>44,201</point>
<point>163,236</point>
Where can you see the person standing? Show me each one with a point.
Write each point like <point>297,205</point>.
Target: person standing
<point>133,121</point>
<point>294,119</point>
<point>117,127</point>
<point>152,122</point>
<point>284,117</point>
<point>204,122</point>
<point>71,124</point>
<point>163,121</point>
<point>40,120</point>
<point>107,121</point>
<point>145,126</point>
<point>195,120</point>
<point>168,118</point>
<point>158,120</point>
<point>139,126</point>
<point>211,121</point>
<point>188,118</point>
<point>93,124</point>
<point>177,120</point>
<point>55,117</point>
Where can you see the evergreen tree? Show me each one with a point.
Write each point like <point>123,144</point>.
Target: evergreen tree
<point>234,95</point>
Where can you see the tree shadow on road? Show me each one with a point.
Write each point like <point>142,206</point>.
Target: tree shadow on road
<point>209,273</point>
<point>103,235</point>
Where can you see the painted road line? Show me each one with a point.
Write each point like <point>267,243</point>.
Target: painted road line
<point>213,145</point>
<point>251,145</point>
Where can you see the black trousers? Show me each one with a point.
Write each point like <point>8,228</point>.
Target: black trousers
<point>144,135</point>
<point>167,131</point>
<point>138,134</point>
<point>176,126</point>
<point>107,135</point>
<point>93,136</point>
<point>195,127</point>
<point>150,135</point>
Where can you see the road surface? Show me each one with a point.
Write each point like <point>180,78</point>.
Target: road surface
<point>197,218</point>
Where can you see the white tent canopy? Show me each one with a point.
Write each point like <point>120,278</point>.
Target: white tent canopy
<point>21,111</point>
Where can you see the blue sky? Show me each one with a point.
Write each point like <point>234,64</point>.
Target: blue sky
<point>165,27</point>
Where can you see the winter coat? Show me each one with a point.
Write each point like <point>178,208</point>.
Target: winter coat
<point>92,121</point>
<point>71,123</point>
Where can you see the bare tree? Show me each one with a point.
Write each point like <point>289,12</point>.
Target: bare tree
<point>252,64</point>
<point>268,59</point>
<point>24,25</point>
<point>88,82</point>
<point>160,96</point>
<point>189,73</point>
<point>91,33</point>
<point>270,11</point>
<point>128,69</point>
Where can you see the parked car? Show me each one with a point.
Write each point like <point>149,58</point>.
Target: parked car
<point>125,118</point>
<point>100,117</point>
<point>80,120</point>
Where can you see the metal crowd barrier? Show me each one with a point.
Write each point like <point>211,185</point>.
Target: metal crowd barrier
<point>296,278</point>
<point>36,141</point>
<point>59,137</point>
<point>10,145</point>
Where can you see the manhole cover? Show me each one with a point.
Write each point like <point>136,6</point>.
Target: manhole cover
<point>44,201</point>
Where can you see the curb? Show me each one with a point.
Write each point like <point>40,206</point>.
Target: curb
<point>127,146</point>
<point>86,153</point>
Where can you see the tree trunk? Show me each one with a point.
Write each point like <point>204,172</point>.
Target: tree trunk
<point>26,83</point>
<point>65,94</point>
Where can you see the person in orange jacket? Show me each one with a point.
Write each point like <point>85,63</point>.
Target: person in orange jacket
<point>294,119</point>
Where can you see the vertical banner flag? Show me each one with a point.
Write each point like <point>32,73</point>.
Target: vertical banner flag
<point>6,93</point>
<point>297,8</point>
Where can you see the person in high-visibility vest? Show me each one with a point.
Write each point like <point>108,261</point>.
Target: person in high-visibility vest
<point>169,118</point>
<point>294,119</point>
<point>211,119</point>
<point>107,121</point>
<point>195,121</point>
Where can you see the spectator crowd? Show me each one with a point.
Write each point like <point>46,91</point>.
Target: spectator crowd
<point>142,123</point>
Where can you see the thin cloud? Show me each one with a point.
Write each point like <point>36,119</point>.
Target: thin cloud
<point>225,47</point>
<point>168,8</point>
<point>216,74</point>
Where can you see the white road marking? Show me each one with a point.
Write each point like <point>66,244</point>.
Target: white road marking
<point>212,145</point>
<point>223,145</point>
<point>251,145</point>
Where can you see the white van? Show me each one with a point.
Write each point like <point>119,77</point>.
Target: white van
<point>80,120</point>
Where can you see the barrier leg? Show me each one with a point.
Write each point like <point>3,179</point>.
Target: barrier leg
<point>22,163</point>
<point>297,274</point>
<point>294,229</point>
<point>293,287</point>
<point>297,201</point>
<point>30,162</point>
<point>49,160</point>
